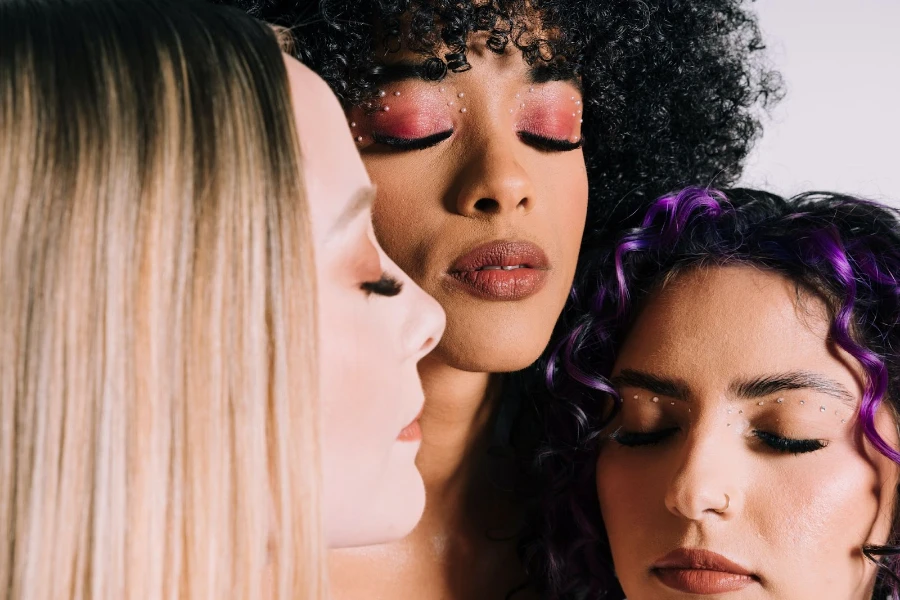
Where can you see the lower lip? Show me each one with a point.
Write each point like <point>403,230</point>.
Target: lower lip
<point>699,581</point>
<point>497,284</point>
<point>411,433</point>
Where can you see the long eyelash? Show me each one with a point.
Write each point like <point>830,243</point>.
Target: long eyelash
<point>549,144</point>
<point>632,439</point>
<point>788,445</point>
<point>386,286</point>
<point>412,143</point>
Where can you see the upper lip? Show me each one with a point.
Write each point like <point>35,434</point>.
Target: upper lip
<point>502,254</point>
<point>699,559</point>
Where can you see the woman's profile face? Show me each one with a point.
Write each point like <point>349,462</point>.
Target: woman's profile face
<point>736,466</point>
<point>375,324</point>
<point>482,195</point>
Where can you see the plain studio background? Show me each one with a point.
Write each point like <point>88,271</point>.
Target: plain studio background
<point>838,128</point>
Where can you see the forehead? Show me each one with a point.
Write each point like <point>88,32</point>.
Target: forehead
<point>333,171</point>
<point>730,321</point>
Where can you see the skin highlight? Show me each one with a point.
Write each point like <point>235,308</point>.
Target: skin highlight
<point>369,342</point>
<point>484,183</point>
<point>796,522</point>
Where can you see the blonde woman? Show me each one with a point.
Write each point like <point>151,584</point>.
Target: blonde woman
<point>159,413</point>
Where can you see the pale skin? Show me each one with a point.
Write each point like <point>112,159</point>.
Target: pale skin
<point>369,342</point>
<point>700,466</point>
<point>482,183</point>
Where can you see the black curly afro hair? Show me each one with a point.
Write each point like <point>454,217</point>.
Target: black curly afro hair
<point>672,88</point>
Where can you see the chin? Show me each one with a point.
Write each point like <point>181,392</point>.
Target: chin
<point>490,344</point>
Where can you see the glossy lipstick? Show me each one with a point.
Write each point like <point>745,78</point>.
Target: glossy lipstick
<point>697,571</point>
<point>502,270</point>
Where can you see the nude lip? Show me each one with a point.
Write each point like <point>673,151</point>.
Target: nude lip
<point>502,270</point>
<point>698,571</point>
<point>413,431</point>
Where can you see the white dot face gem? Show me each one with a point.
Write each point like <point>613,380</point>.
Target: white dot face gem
<point>353,124</point>
<point>396,93</point>
<point>461,95</point>
<point>386,109</point>
<point>655,399</point>
<point>780,401</point>
<point>761,403</point>
<point>359,138</point>
<point>581,120</point>
<point>803,402</point>
<point>451,103</point>
<point>673,404</point>
<point>382,94</point>
<point>729,411</point>
<point>635,397</point>
<point>463,109</point>
<point>522,105</point>
<point>821,409</point>
<point>442,89</point>
<point>578,103</point>
<point>531,90</point>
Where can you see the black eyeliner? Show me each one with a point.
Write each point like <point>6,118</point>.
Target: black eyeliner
<point>398,143</point>
<point>549,144</point>
<point>788,445</point>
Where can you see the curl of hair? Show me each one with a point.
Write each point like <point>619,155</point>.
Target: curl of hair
<point>671,87</point>
<point>845,250</point>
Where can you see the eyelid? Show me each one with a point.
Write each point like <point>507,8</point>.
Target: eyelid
<point>549,144</point>
<point>385,286</point>
<point>787,445</point>
<point>420,143</point>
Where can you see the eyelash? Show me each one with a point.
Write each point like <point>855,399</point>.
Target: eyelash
<point>633,439</point>
<point>406,144</point>
<point>540,142</point>
<point>386,286</point>
<point>549,144</point>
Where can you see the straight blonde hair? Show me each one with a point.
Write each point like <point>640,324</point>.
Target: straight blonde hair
<point>158,424</point>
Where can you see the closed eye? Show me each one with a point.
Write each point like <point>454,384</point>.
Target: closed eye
<point>404,144</point>
<point>385,286</point>
<point>549,144</point>
<point>788,445</point>
<point>634,439</point>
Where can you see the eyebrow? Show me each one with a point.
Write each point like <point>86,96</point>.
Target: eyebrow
<point>792,380</point>
<point>664,386</point>
<point>362,200</point>
<point>749,389</point>
<point>405,70</point>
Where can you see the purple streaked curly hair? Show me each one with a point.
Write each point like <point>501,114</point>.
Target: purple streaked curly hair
<point>844,249</point>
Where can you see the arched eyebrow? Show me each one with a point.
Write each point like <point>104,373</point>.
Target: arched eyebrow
<point>664,386</point>
<point>767,385</point>
<point>746,389</point>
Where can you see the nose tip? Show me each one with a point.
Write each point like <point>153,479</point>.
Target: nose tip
<point>494,182</point>
<point>430,321</point>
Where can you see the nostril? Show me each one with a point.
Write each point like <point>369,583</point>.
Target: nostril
<point>487,205</point>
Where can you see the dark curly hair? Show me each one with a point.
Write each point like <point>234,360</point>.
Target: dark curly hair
<point>671,87</point>
<point>845,250</point>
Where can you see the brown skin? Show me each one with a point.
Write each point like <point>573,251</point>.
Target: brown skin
<point>484,183</point>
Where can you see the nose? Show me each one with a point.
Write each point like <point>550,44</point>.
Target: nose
<point>493,182</point>
<point>704,484</point>
<point>425,320</point>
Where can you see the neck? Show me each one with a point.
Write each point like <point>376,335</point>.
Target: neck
<point>458,410</point>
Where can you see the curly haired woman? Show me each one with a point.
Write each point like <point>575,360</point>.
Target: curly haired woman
<point>493,130</point>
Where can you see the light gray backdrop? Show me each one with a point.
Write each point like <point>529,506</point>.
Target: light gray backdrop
<point>838,128</point>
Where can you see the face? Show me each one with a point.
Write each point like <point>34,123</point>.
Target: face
<point>375,324</point>
<point>482,194</point>
<point>735,468</point>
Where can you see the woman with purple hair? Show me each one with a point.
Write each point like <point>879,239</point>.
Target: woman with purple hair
<point>726,420</point>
